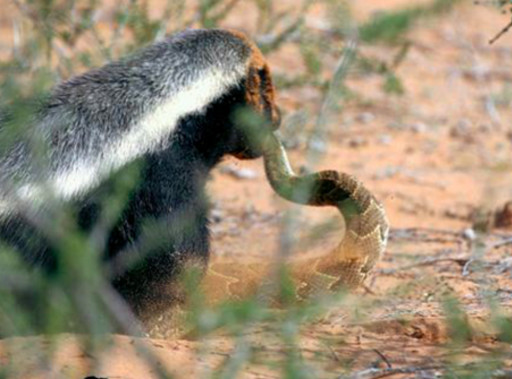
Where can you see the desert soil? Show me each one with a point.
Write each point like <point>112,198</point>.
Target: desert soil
<point>438,157</point>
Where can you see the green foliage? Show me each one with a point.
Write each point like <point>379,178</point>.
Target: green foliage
<point>390,27</point>
<point>456,320</point>
<point>503,97</point>
<point>138,21</point>
<point>393,85</point>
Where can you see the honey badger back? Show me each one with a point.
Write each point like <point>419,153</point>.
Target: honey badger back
<point>170,106</point>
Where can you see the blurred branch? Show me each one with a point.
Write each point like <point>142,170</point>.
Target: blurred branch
<point>120,22</point>
<point>505,6</point>
<point>167,15</point>
<point>376,373</point>
<point>279,39</point>
<point>501,32</point>
<point>224,11</point>
<point>269,42</point>
<point>318,136</point>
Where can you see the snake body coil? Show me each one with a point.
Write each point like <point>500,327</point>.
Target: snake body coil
<point>346,266</point>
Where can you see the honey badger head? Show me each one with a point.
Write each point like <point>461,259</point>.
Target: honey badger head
<point>259,97</point>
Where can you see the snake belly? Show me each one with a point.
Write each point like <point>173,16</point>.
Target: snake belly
<point>345,267</point>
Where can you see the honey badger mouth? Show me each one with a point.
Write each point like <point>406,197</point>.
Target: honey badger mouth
<point>255,132</point>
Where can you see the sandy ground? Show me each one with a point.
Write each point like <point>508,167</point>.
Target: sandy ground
<point>437,157</point>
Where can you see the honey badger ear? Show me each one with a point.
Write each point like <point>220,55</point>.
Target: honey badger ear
<point>260,93</point>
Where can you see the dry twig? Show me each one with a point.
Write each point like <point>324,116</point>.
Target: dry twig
<point>374,373</point>
<point>383,357</point>
<point>427,262</point>
<point>507,241</point>
<point>501,32</point>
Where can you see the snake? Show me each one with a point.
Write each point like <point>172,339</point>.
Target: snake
<point>345,267</point>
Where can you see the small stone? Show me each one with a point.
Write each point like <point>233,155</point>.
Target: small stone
<point>479,72</point>
<point>419,127</point>
<point>216,215</point>
<point>503,216</point>
<point>509,136</point>
<point>365,117</point>
<point>357,142</point>
<point>239,173</point>
<point>386,172</point>
<point>395,125</point>
<point>463,130</point>
<point>347,120</point>
<point>385,139</point>
<point>318,145</point>
<point>485,128</point>
<point>451,213</point>
<point>464,125</point>
<point>469,234</point>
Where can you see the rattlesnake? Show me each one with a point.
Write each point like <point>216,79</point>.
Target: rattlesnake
<point>346,266</point>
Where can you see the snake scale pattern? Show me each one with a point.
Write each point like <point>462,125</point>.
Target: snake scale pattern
<point>346,266</point>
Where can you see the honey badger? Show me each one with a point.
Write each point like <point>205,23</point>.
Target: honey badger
<point>171,106</point>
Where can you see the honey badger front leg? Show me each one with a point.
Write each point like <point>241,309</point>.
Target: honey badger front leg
<point>170,106</point>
